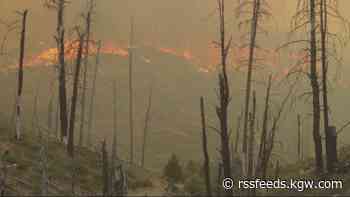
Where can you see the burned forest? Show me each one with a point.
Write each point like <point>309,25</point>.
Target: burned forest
<point>174,98</point>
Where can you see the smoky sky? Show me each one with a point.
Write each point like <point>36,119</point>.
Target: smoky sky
<point>184,24</point>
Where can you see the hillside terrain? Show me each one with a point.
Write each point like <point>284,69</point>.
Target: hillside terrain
<point>24,163</point>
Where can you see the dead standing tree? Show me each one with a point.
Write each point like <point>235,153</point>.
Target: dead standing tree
<point>250,172</point>
<point>146,126</point>
<point>315,89</point>
<point>267,138</point>
<point>70,146</point>
<point>254,25</point>
<point>271,135</point>
<point>224,96</point>
<point>114,155</point>
<point>306,19</point>
<point>205,149</point>
<point>328,8</point>
<point>252,15</point>
<point>299,148</point>
<point>131,106</point>
<point>88,21</point>
<point>59,5</point>
<point>20,77</point>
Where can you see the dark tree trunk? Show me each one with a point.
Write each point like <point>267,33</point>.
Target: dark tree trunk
<point>20,77</point>
<point>263,138</point>
<point>324,62</point>
<point>251,139</point>
<point>131,106</point>
<point>75,97</point>
<point>85,69</point>
<point>315,89</point>
<point>114,156</point>
<point>145,129</point>
<point>205,149</point>
<point>224,96</point>
<point>331,142</point>
<point>254,24</point>
<point>62,91</point>
<point>299,137</point>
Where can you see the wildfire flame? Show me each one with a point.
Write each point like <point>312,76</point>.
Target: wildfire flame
<point>267,57</point>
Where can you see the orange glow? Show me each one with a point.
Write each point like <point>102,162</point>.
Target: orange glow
<point>237,59</point>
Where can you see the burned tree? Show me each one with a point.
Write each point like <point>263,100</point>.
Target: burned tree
<point>114,155</point>
<point>315,89</point>
<point>264,132</point>
<point>251,138</point>
<point>327,9</point>
<point>268,133</point>
<point>145,129</point>
<point>85,69</point>
<point>299,138</point>
<point>224,95</point>
<point>254,26</point>
<point>59,5</point>
<point>70,147</point>
<point>20,77</point>
<point>205,149</point>
<point>312,16</point>
<point>131,106</point>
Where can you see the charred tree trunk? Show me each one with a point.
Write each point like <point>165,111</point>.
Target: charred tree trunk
<point>254,24</point>
<point>114,143</point>
<point>93,94</point>
<point>85,69</point>
<point>131,106</point>
<point>62,91</point>
<point>224,96</point>
<point>299,137</point>
<point>315,89</point>
<point>20,77</point>
<point>145,130</point>
<point>324,63</point>
<point>75,96</point>
<point>251,139</point>
<point>205,149</point>
<point>263,139</point>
